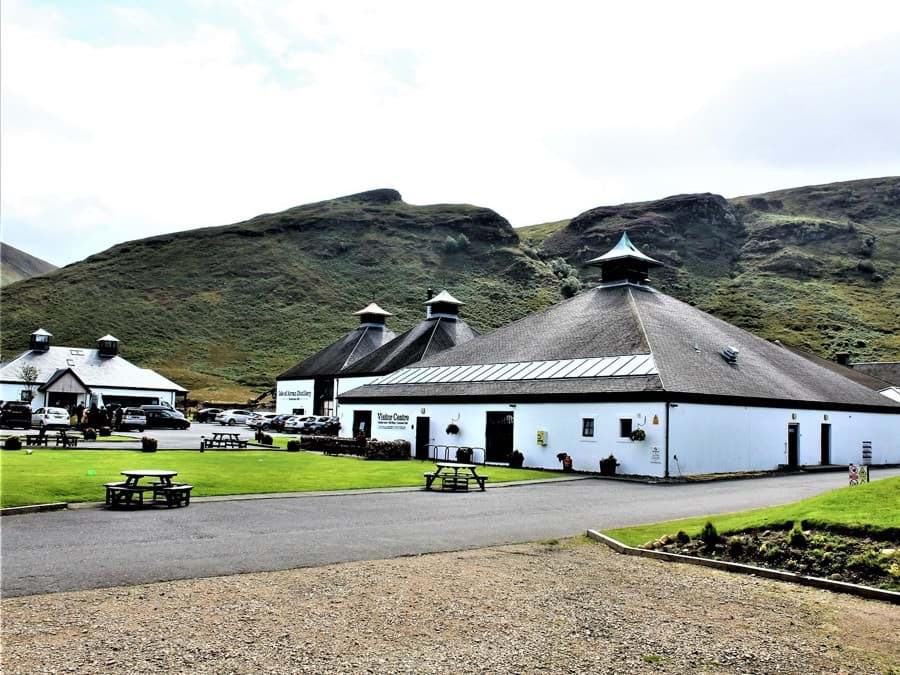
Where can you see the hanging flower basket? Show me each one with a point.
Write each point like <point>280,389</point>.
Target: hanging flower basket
<point>452,428</point>
<point>638,435</point>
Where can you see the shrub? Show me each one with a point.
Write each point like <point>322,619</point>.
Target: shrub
<point>708,535</point>
<point>293,446</point>
<point>562,269</point>
<point>531,252</point>
<point>148,444</point>
<point>735,546</point>
<point>516,459</point>
<point>455,244</point>
<point>866,266</point>
<point>266,439</point>
<point>569,287</point>
<point>391,450</point>
<point>90,434</point>
<point>682,538</point>
<point>12,443</point>
<point>796,538</point>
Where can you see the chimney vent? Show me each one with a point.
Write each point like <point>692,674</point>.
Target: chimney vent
<point>730,354</point>
<point>843,358</point>
<point>40,341</point>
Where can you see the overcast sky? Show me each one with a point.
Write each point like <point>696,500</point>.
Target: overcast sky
<point>123,120</point>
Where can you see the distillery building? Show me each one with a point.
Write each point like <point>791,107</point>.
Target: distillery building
<point>625,370</point>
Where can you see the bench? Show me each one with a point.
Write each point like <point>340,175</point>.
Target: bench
<point>455,482</point>
<point>65,440</point>
<point>177,494</point>
<point>120,494</point>
<point>481,481</point>
<point>37,440</point>
<point>429,479</point>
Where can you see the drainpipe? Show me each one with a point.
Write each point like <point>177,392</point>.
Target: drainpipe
<point>668,404</point>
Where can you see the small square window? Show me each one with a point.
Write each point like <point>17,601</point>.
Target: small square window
<point>587,426</point>
<point>625,427</point>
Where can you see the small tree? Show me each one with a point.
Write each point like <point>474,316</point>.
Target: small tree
<point>29,375</point>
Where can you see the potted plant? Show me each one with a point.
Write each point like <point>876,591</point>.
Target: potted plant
<point>12,443</point>
<point>515,459</point>
<point>293,446</point>
<point>638,435</point>
<point>90,434</point>
<point>608,466</point>
<point>566,460</point>
<point>148,444</point>
<point>452,428</point>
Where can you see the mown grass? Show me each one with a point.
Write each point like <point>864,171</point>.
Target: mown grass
<point>871,507</point>
<point>78,475</point>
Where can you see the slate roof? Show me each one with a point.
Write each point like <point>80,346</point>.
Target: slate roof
<point>330,361</point>
<point>685,343</point>
<point>885,371</point>
<point>427,339</point>
<point>91,368</point>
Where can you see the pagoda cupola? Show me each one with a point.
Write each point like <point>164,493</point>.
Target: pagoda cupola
<point>372,316</point>
<point>443,306</point>
<point>624,263</point>
<point>40,341</point>
<point>108,346</point>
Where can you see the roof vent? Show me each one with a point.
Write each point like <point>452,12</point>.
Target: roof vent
<point>40,341</point>
<point>730,354</point>
<point>108,346</point>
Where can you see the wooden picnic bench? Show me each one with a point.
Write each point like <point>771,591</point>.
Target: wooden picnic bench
<point>65,440</point>
<point>130,493</point>
<point>458,480</point>
<point>223,439</point>
<point>37,440</point>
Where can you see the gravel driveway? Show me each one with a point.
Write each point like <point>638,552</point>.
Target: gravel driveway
<point>574,607</point>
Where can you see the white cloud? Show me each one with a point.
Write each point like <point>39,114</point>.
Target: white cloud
<point>537,111</point>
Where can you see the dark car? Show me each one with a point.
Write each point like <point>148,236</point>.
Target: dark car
<point>277,422</point>
<point>207,414</point>
<point>14,414</point>
<point>161,417</point>
<point>322,426</point>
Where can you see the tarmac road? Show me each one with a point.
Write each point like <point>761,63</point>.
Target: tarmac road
<point>96,548</point>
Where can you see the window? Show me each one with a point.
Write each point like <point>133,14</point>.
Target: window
<point>625,427</point>
<point>587,426</point>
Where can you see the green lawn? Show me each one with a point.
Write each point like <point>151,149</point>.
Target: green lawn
<point>873,507</point>
<point>78,475</point>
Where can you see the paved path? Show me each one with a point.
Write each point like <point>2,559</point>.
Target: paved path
<point>95,548</point>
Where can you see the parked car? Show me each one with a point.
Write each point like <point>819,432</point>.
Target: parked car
<point>322,426</point>
<point>163,417</point>
<point>232,417</point>
<point>296,423</point>
<point>50,418</point>
<point>277,422</point>
<point>15,414</point>
<point>262,421</point>
<point>207,414</point>
<point>133,418</point>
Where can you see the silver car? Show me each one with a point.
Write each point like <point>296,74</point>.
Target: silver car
<point>232,417</point>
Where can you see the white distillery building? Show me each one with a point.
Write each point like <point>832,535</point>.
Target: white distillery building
<point>68,376</point>
<point>626,370</point>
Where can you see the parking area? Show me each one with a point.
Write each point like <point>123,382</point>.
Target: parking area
<point>178,439</point>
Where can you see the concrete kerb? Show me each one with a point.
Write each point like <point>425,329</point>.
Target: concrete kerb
<point>778,575</point>
<point>14,510</point>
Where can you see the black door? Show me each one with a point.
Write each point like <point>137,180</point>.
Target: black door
<point>362,422</point>
<point>423,437</point>
<point>826,444</point>
<point>793,444</point>
<point>498,436</point>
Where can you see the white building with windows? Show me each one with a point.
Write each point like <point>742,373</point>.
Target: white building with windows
<point>62,377</point>
<point>625,370</point>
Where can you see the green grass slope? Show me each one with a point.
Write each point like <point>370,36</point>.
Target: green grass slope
<point>815,267</point>
<point>222,310</point>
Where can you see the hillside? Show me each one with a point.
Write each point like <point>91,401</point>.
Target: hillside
<point>16,265</point>
<point>222,310</point>
<point>815,266</point>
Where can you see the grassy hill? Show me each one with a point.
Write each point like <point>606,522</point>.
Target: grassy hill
<point>16,265</point>
<point>814,266</point>
<point>222,310</point>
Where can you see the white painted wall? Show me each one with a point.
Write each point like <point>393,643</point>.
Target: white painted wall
<point>705,438</point>
<point>719,439</point>
<point>561,421</point>
<point>294,394</point>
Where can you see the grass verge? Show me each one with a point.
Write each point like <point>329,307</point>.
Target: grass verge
<point>78,476</point>
<point>870,508</point>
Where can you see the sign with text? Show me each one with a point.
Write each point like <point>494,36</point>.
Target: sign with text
<point>392,421</point>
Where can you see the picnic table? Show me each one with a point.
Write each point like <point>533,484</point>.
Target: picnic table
<point>37,439</point>
<point>223,439</point>
<point>130,492</point>
<point>65,439</point>
<point>454,476</point>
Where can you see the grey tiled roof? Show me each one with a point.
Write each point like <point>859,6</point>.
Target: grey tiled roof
<point>428,338</point>
<point>92,369</point>
<point>331,360</point>
<point>685,342</point>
